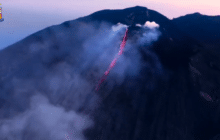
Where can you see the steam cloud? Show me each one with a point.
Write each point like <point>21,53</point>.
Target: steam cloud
<point>150,34</point>
<point>44,121</point>
<point>118,27</point>
<point>151,25</point>
<point>44,93</point>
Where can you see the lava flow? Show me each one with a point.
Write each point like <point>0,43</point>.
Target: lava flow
<point>122,46</point>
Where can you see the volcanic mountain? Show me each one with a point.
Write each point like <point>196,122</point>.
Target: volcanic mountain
<point>165,86</point>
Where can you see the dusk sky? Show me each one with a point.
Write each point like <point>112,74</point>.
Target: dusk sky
<point>25,17</point>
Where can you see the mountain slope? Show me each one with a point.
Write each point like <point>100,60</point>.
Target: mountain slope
<point>171,35</point>
<point>158,89</point>
<point>201,27</point>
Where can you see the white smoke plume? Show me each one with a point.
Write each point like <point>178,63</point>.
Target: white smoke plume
<point>45,90</point>
<point>44,121</point>
<point>139,25</point>
<point>151,25</point>
<point>118,27</point>
<point>149,36</point>
<point>148,24</point>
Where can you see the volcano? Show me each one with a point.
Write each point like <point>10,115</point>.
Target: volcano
<point>164,86</point>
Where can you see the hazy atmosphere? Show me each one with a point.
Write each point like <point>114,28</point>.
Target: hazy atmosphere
<point>109,70</point>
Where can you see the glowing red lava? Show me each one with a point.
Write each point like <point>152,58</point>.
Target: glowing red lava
<point>111,66</point>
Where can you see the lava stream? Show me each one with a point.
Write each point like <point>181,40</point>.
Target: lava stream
<point>122,46</point>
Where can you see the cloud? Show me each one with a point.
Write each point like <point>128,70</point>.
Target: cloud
<point>139,25</point>
<point>46,88</point>
<point>149,33</point>
<point>129,64</point>
<point>149,37</point>
<point>118,27</point>
<point>44,121</point>
<point>151,25</point>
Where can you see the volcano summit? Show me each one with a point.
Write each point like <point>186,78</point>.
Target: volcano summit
<point>164,85</point>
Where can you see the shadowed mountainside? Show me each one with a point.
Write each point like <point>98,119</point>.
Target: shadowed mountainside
<point>204,28</point>
<point>157,91</point>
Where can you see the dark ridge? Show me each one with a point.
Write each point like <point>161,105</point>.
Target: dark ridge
<point>161,102</point>
<point>66,24</point>
<point>203,28</point>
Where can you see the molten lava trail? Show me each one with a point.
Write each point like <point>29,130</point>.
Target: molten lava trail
<point>111,66</point>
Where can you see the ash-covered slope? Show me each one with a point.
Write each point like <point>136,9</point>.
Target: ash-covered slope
<point>204,28</point>
<point>157,90</point>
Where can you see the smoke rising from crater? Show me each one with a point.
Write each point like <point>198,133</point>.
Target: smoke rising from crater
<point>46,91</point>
